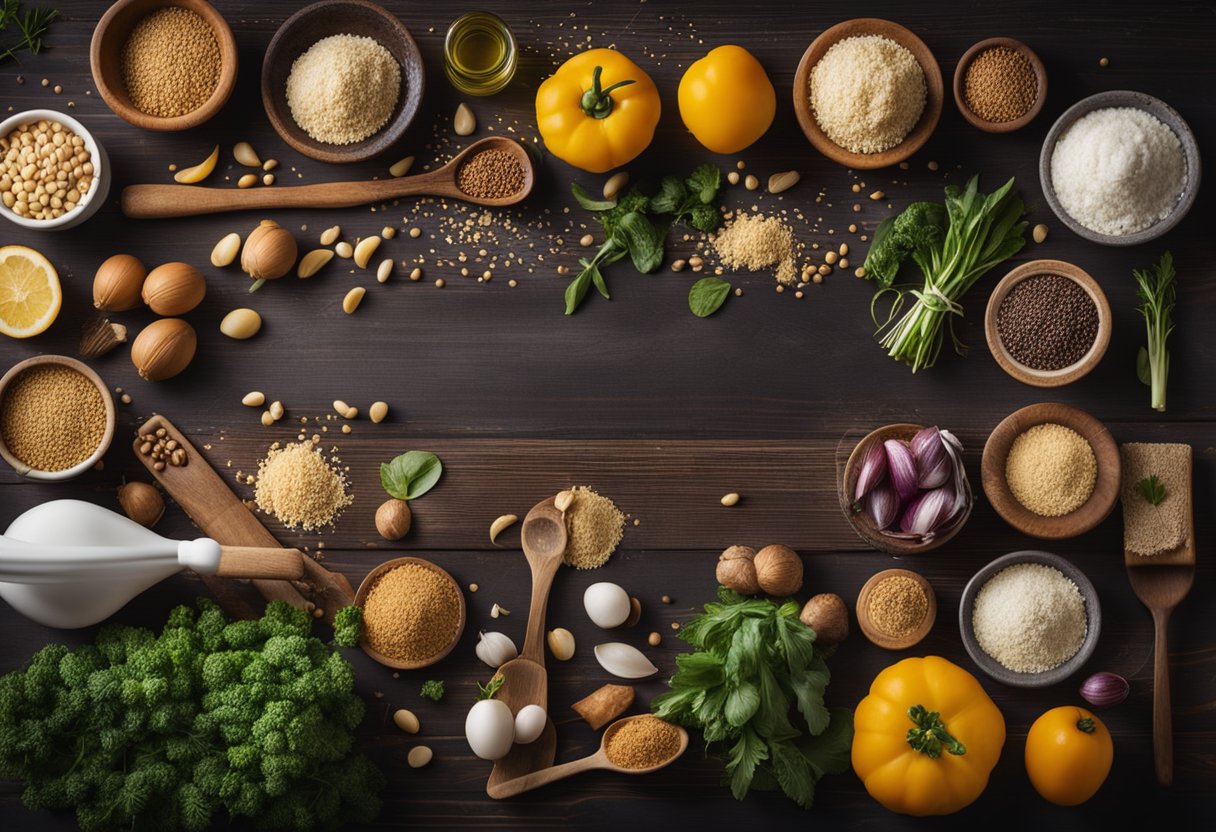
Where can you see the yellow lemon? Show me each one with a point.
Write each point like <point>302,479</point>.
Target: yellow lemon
<point>30,295</point>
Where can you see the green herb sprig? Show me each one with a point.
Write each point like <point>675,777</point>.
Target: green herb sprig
<point>1152,489</point>
<point>411,475</point>
<point>432,689</point>
<point>1158,292</point>
<point>31,24</point>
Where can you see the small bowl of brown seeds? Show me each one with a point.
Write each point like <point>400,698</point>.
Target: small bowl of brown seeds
<point>53,173</point>
<point>1000,85</point>
<point>56,418</point>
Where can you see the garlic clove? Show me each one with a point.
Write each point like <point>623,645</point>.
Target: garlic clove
<point>928,512</point>
<point>901,467</point>
<point>624,660</point>
<point>244,153</point>
<point>873,470</point>
<point>197,173</point>
<point>495,649</point>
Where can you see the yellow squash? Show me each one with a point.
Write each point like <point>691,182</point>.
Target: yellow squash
<point>726,99</point>
<point>598,111</point>
<point>926,738</point>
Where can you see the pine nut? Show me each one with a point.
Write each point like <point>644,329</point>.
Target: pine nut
<point>254,399</point>
<point>247,181</point>
<point>464,123</point>
<point>377,412</point>
<point>352,300</point>
<point>385,270</point>
<point>615,184</point>
<point>246,155</point>
<point>365,250</point>
<point>312,262</point>
<point>401,167</point>
<point>330,235</point>
<point>225,250</point>
<point>344,250</point>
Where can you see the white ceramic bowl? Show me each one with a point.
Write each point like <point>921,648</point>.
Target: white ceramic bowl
<point>99,190</point>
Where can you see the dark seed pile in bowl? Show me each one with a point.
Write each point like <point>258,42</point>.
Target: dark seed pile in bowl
<point>1047,322</point>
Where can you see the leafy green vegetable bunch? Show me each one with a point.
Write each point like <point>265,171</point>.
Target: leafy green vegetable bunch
<point>1157,289</point>
<point>162,732</point>
<point>636,225</point>
<point>754,665</point>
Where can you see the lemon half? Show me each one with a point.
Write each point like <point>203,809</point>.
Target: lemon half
<point>30,295</point>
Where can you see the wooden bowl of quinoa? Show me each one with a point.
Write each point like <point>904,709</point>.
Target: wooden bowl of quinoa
<point>413,613</point>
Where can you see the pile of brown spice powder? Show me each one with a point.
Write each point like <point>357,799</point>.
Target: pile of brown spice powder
<point>52,418</point>
<point>753,242</point>
<point>411,613</point>
<point>644,742</point>
<point>491,174</point>
<point>299,486</point>
<point>898,605</point>
<point>171,62</point>
<point>595,526</point>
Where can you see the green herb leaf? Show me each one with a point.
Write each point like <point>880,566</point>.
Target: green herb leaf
<point>793,772</point>
<point>598,280</point>
<point>492,687</point>
<point>704,218</point>
<point>1152,489</point>
<point>32,23</point>
<point>588,202</point>
<point>704,183</point>
<point>644,241</point>
<point>432,689</point>
<point>672,194</point>
<point>707,295</point>
<point>745,756</point>
<point>410,475</point>
<point>632,202</point>
<point>1144,370</point>
<point>577,290</point>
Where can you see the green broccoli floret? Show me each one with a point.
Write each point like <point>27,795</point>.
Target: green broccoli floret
<point>348,626</point>
<point>432,689</point>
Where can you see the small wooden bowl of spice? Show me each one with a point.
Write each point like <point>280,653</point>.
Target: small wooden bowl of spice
<point>1000,85</point>
<point>1048,323</point>
<point>413,613</point>
<point>1051,471</point>
<point>56,418</point>
<point>896,609</point>
<point>164,64</point>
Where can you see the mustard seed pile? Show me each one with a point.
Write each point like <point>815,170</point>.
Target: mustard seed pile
<point>754,242</point>
<point>299,486</point>
<point>411,613</point>
<point>594,526</point>
<point>343,89</point>
<point>491,174</point>
<point>1000,84</point>
<point>644,742</point>
<point>898,605</point>
<point>171,63</point>
<point>1051,470</point>
<point>52,418</point>
<point>1030,617</point>
<point>1148,529</point>
<point>46,170</point>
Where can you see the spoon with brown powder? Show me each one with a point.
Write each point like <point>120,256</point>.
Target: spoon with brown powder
<point>499,172</point>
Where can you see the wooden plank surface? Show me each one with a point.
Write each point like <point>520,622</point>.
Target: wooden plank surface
<point>660,410</point>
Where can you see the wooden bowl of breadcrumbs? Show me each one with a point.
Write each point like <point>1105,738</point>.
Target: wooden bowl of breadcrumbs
<point>164,65</point>
<point>413,613</point>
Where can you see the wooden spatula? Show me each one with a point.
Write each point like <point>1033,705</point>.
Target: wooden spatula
<point>1161,582</point>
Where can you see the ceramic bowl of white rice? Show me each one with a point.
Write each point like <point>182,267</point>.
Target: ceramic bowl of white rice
<point>1120,168</point>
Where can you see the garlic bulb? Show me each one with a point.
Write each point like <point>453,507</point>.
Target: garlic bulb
<point>163,349</point>
<point>495,649</point>
<point>269,252</point>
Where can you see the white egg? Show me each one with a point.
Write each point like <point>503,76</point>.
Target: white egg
<point>606,604</point>
<point>529,723</point>
<point>490,729</point>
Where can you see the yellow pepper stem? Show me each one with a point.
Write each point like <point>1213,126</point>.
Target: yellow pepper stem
<point>928,734</point>
<point>1086,725</point>
<point>597,102</point>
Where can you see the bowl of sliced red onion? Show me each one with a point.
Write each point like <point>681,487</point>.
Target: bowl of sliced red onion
<point>904,488</point>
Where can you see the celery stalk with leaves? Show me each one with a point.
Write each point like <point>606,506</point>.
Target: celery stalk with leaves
<point>953,245</point>
<point>1157,292</point>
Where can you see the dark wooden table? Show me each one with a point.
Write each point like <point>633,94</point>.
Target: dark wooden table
<point>662,411</point>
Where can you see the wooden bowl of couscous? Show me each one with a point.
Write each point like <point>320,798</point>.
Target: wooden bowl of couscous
<point>413,613</point>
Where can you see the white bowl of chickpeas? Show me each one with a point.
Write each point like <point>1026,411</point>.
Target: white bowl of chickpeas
<point>53,173</point>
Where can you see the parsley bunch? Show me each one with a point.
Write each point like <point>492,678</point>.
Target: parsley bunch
<point>754,665</point>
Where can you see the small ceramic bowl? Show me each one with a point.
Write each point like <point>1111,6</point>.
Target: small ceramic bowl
<point>960,86</point>
<point>996,670</point>
<point>861,522</point>
<point>876,636</point>
<point>102,175</point>
<point>105,57</point>
<point>1164,113</point>
<point>1106,485</point>
<point>107,436</point>
<point>1064,375</point>
<point>370,581</point>
<point>340,17</point>
<point>920,132</point>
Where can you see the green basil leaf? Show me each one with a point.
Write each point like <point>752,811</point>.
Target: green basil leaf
<point>705,181</point>
<point>707,296</point>
<point>644,241</point>
<point>410,475</point>
<point>577,290</point>
<point>598,279</point>
<point>1144,370</point>
<point>587,201</point>
<point>670,197</point>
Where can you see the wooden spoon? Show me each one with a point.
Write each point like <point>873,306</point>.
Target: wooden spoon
<point>159,201</point>
<point>525,681</point>
<point>598,760</point>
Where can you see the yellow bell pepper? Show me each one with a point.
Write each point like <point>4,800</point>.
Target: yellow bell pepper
<point>926,738</point>
<point>598,111</point>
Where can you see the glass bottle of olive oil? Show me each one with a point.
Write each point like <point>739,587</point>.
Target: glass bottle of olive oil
<point>479,54</point>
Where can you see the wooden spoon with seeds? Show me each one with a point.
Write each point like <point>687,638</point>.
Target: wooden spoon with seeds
<point>160,201</point>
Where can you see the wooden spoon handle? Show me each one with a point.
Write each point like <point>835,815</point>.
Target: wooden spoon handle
<point>1163,727</point>
<point>256,562</point>
<point>536,779</point>
<point>534,636</point>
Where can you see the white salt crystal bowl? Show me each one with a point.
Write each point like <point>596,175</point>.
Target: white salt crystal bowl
<point>1155,107</point>
<point>996,670</point>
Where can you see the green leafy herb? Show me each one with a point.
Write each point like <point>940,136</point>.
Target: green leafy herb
<point>953,245</point>
<point>31,26</point>
<point>1158,293</point>
<point>588,202</point>
<point>692,200</point>
<point>488,690</point>
<point>191,728</point>
<point>348,626</point>
<point>432,689</point>
<point>1152,489</point>
<point>754,666</point>
<point>707,296</point>
<point>410,475</point>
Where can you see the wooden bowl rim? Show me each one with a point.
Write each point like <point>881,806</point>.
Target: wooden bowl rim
<point>881,542</point>
<point>1065,375</point>
<point>116,97</point>
<point>996,670</point>
<point>413,79</point>
<point>1106,488</point>
<point>1155,107</point>
<point>366,586</point>
<point>107,435</point>
<point>861,610</point>
<point>920,132</point>
<point>960,97</point>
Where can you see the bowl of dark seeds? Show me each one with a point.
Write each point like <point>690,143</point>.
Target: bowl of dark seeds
<point>1048,323</point>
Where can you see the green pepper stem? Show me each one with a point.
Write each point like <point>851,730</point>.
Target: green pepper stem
<point>928,734</point>
<point>597,102</point>
<point>1086,724</point>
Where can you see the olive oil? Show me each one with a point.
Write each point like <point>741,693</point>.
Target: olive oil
<point>479,54</point>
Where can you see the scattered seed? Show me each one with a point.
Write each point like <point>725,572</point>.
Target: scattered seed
<point>654,639</point>
<point>830,257</point>
<point>1039,233</point>
<point>366,248</point>
<point>464,123</point>
<point>254,399</point>
<point>345,410</point>
<point>860,271</point>
<point>1103,62</point>
<point>877,195</point>
<point>416,274</point>
<point>247,181</point>
<point>344,250</point>
<point>407,721</point>
<point>346,428</point>
<point>270,164</point>
<point>933,165</point>
<point>419,756</point>
<point>440,283</point>
<point>388,232</point>
<point>730,499</point>
<point>586,240</point>
<point>751,182</point>
<point>377,412</point>
<point>312,262</point>
<point>402,166</point>
<point>415,232</point>
<point>783,181</point>
<point>473,587</point>
<point>666,599</point>
<point>678,265</point>
<point>330,235</point>
<point>733,177</point>
<point>267,419</point>
<point>276,410</point>
<point>58,89</point>
<point>696,262</point>
<point>268,179</point>
<point>225,250</point>
<point>615,184</point>
<point>844,249</point>
<point>496,611</point>
<point>244,154</point>
<point>352,300</point>
<point>740,164</point>
<point>384,271</point>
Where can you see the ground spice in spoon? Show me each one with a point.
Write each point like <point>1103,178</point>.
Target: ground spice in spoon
<point>644,742</point>
<point>491,174</point>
